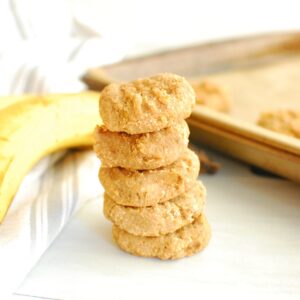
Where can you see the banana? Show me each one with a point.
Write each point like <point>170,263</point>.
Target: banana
<point>9,100</point>
<point>37,126</point>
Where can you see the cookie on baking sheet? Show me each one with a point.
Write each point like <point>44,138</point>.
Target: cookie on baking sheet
<point>211,95</point>
<point>146,105</point>
<point>186,241</point>
<point>149,187</point>
<point>159,219</point>
<point>286,121</point>
<point>141,151</point>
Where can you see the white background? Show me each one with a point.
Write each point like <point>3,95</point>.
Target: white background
<point>156,24</point>
<point>151,24</point>
<point>40,37</point>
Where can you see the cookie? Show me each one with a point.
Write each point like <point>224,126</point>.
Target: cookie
<point>141,151</point>
<point>149,187</point>
<point>159,219</point>
<point>186,241</point>
<point>211,95</point>
<point>282,121</point>
<point>146,105</point>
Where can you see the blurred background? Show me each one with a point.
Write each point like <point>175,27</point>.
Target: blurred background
<point>40,37</point>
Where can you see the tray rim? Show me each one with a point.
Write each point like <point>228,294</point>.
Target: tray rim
<point>98,77</point>
<point>246,129</point>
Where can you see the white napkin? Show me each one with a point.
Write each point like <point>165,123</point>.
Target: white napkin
<point>41,209</point>
<point>45,55</point>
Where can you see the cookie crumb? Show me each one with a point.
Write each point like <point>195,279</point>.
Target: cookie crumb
<point>208,166</point>
<point>286,121</point>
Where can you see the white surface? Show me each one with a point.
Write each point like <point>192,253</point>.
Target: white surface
<point>254,250</point>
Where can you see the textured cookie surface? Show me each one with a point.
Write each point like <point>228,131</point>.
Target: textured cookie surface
<point>282,121</point>
<point>146,105</point>
<point>149,187</point>
<point>186,241</point>
<point>159,219</point>
<point>141,151</point>
<point>211,95</point>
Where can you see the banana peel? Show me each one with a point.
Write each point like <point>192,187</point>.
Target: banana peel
<point>37,126</point>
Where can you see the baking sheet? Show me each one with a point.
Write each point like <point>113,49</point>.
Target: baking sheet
<point>262,88</point>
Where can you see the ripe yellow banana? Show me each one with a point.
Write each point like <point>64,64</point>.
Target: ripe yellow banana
<point>9,100</point>
<point>34,127</point>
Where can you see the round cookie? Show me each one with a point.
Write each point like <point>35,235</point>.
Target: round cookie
<point>141,151</point>
<point>146,105</point>
<point>186,241</point>
<point>211,95</point>
<point>286,121</point>
<point>159,219</point>
<point>149,187</point>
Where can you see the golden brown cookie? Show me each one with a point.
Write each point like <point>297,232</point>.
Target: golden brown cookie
<point>159,219</point>
<point>282,121</point>
<point>186,241</point>
<point>141,151</point>
<point>146,105</point>
<point>211,95</point>
<point>149,187</point>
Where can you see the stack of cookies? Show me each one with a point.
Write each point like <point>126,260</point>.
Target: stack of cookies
<point>150,176</point>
